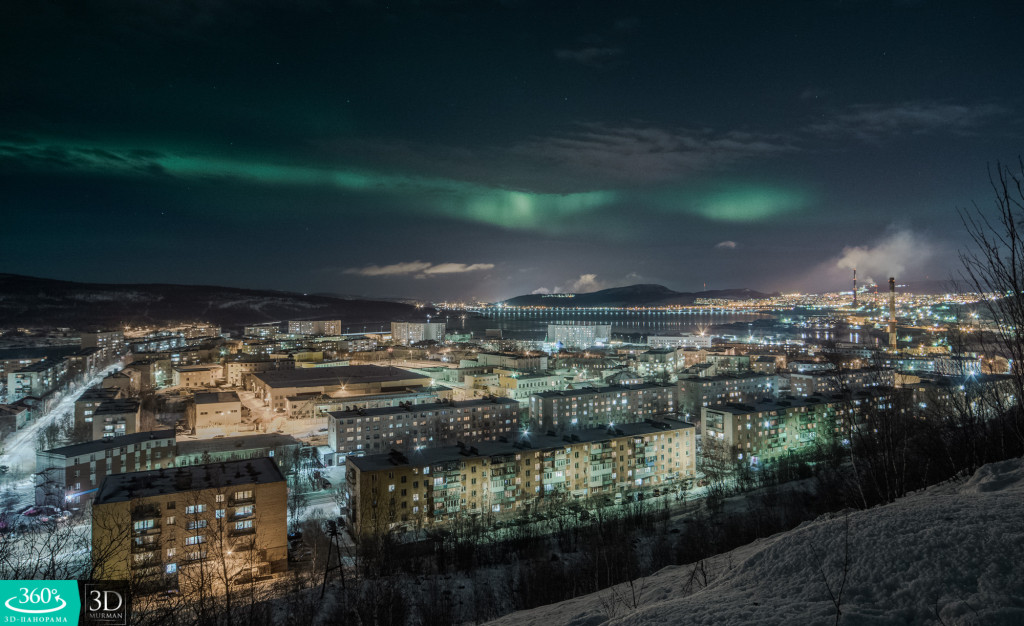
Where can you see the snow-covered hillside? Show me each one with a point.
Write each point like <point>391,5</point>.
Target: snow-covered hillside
<point>953,554</point>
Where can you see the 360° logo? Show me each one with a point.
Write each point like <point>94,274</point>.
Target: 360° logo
<point>33,597</point>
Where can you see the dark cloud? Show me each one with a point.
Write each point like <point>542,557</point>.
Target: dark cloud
<point>871,122</point>
<point>592,56</point>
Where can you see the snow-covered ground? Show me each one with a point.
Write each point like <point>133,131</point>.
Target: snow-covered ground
<point>953,554</point>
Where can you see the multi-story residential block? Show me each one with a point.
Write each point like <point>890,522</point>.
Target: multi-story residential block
<point>679,341</point>
<point>318,327</point>
<point>197,376</point>
<point>695,393</point>
<point>111,341</point>
<point>408,333</point>
<point>766,431</point>
<point>580,409</point>
<point>88,402</point>
<point>579,336</point>
<point>496,479</point>
<point>36,379</point>
<point>412,426</point>
<point>261,331</point>
<point>660,361</point>
<point>116,418</point>
<point>274,387</point>
<point>69,477</point>
<point>200,526</point>
<point>820,382</point>
<point>196,331</point>
<point>12,418</point>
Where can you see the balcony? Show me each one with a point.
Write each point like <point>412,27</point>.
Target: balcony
<point>233,501</point>
<point>144,547</point>
<point>147,511</point>
<point>241,532</point>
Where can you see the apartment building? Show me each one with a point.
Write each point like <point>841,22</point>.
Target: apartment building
<point>111,341</point>
<point>317,406</point>
<point>236,368</point>
<point>116,418</point>
<point>819,382</point>
<point>318,327</point>
<point>698,392</point>
<point>408,333</point>
<point>69,477</point>
<point>88,402</point>
<point>412,426</point>
<point>197,376</point>
<point>36,379</point>
<point>579,336</point>
<point>204,525</point>
<point>502,478</point>
<point>579,409</point>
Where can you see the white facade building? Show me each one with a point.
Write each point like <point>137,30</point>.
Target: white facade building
<point>579,336</point>
<point>408,333</point>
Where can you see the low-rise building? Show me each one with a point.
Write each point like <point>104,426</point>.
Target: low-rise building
<point>497,479</point>
<point>68,477</point>
<point>214,413</point>
<point>184,528</point>
<point>36,379</point>
<point>274,387</point>
<point>12,418</point>
<point>194,451</point>
<point>679,341</point>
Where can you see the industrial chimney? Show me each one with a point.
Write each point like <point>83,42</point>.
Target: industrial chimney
<point>855,287</point>
<point>892,314</point>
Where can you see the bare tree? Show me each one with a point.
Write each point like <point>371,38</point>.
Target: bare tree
<point>994,268</point>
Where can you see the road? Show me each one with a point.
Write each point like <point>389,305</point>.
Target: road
<point>20,448</point>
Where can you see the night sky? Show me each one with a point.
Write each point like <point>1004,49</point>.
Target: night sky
<point>483,150</point>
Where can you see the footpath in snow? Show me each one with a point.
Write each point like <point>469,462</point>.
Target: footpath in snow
<point>953,554</point>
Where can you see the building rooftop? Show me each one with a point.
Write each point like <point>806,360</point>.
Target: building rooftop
<point>429,406</point>
<point>97,392</point>
<point>599,390</point>
<point>109,443</point>
<point>216,397</point>
<point>342,375</point>
<point>39,366</point>
<point>125,487</point>
<point>187,447</point>
<point>117,406</point>
<point>532,442</point>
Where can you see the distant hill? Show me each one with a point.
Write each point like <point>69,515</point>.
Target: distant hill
<point>633,295</point>
<point>28,301</point>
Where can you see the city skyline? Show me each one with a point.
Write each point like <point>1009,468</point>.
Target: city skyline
<point>466,151</point>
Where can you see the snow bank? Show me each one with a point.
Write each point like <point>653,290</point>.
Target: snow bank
<point>953,554</point>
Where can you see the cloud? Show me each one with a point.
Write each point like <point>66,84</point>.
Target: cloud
<point>457,268</point>
<point>898,253</point>
<point>540,291</point>
<point>871,122</point>
<point>420,269</point>
<point>643,154</point>
<point>592,56</point>
<point>585,284</point>
<point>726,245</point>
